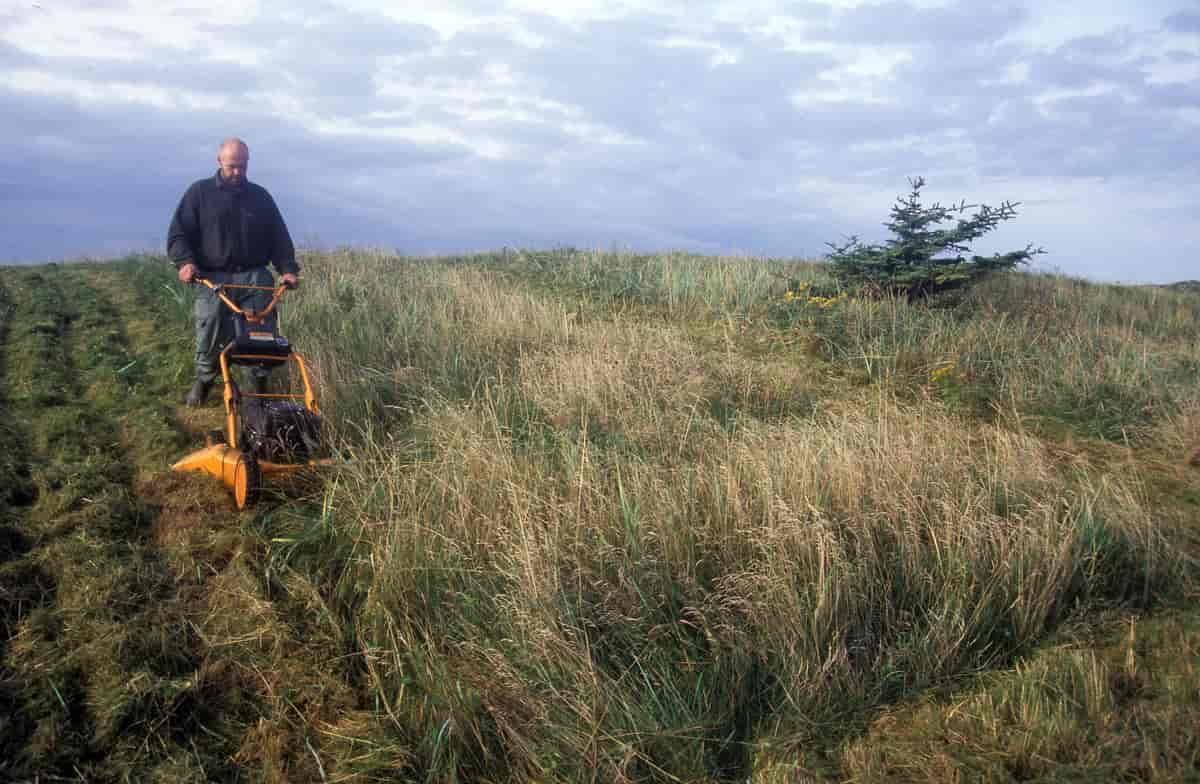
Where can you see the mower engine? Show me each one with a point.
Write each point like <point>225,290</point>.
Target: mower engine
<point>279,431</point>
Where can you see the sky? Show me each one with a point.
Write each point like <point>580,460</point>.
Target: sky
<point>762,129</point>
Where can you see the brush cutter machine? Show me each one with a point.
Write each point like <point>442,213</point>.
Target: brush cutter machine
<point>264,433</point>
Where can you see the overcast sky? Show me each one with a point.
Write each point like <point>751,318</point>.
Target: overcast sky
<point>756,128</point>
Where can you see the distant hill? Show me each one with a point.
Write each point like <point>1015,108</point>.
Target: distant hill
<point>1184,285</point>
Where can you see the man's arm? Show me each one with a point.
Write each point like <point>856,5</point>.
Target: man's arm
<point>179,247</point>
<point>283,252</point>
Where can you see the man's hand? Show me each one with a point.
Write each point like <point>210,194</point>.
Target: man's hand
<point>187,272</point>
<point>290,280</point>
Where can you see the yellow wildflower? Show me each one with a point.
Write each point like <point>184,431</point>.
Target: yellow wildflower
<point>942,370</point>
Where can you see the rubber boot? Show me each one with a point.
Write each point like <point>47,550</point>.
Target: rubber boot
<point>198,393</point>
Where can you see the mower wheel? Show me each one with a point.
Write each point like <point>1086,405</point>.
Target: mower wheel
<point>247,481</point>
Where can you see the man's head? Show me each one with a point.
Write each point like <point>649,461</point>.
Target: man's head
<point>233,156</point>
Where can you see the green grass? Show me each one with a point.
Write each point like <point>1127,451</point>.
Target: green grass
<point>556,481</point>
<point>611,517</point>
<point>1060,355</point>
<point>98,662</point>
<point>1119,708</point>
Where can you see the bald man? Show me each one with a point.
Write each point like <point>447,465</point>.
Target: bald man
<point>227,229</point>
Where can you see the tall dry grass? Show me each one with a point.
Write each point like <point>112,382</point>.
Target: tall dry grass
<point>576,543</point>
<point>1123,711</point>
<point>1102,361</point>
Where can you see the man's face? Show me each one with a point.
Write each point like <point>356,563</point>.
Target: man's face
<point>233,162</point>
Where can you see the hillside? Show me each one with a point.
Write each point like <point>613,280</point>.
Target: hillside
<point>613,518</point>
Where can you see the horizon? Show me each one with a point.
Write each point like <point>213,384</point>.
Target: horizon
<point>1032,269</point>
<point>761,130</point>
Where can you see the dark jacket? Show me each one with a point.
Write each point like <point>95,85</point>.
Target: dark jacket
<point>217,226</point>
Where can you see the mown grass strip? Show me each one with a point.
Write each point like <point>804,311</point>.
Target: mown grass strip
<point>187,708</point>
<point>109,675</point>
<point>264,638</point>
<point>18,489</point>
<point>24,587</point>
<point>43,685</point>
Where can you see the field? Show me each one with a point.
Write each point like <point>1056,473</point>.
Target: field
<point>607,517</point>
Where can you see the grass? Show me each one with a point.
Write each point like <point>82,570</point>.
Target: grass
<point>1103,362</point>
<point>98,659</point>
<point>617,517</point>
<point>1123,709</point>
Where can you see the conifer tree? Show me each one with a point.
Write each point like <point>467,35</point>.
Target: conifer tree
<point>923,258</point>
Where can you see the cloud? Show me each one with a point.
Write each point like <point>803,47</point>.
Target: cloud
<point>1183,22</point>
<point>13,57</point>
<point>326,54</point>
<point>763,129</point>
<point>898,22</point>
<point>161,69</point>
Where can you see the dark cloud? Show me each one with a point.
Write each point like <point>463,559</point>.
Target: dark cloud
<point>325,28</point>
<point>1180,57</point>
<point>125,40</point>
<point>898,22</point>
<point>619,75</point>
<point>1173,95</point>
<point>1090,60</point>
<point>152,67</point>
<point>1183,22</point>
<point>14,57</point>
<point>1101,135</point>
<point>809,12</point>
<point>330,56</point>
<point>1131,127</point>
<point>69,175</point>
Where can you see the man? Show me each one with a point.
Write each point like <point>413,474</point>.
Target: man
<point>226,229</point>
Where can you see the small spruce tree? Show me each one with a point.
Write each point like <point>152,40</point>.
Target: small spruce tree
<point>923,259</point>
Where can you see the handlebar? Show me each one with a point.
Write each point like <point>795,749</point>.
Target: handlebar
<point>252,316</point>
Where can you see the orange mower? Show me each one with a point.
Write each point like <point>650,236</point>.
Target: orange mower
<point>264,433</point>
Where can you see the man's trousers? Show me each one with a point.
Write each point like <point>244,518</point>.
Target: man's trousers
<point>214,321</point>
